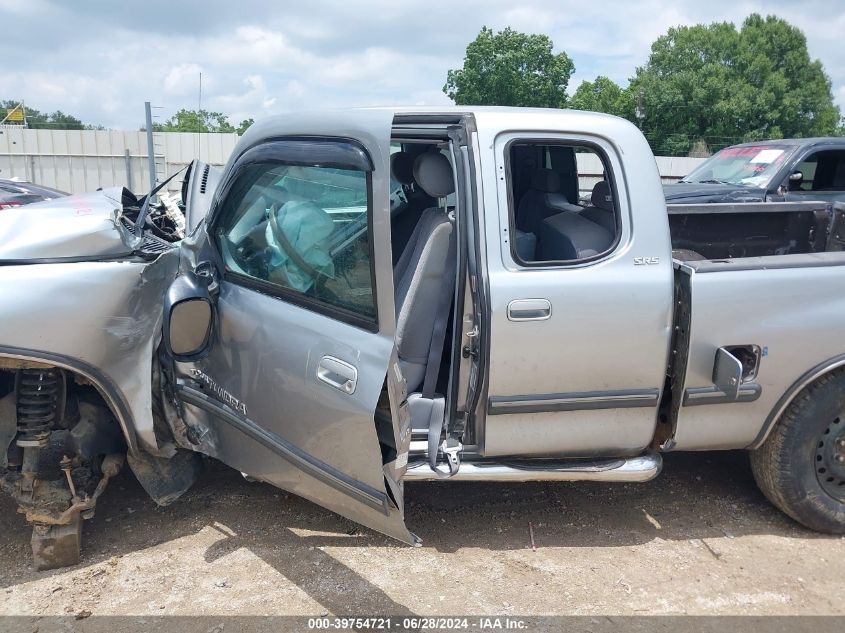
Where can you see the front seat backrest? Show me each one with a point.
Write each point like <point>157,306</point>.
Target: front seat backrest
<point>418,274</point>
<point>542,200</point>
<point>533,206</point>
<point>601,212</point>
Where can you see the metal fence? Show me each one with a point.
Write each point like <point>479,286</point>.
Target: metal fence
<point>671,168</point>
<point>84,160</point>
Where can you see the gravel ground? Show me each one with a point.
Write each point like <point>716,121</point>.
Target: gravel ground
<point>700,539</point>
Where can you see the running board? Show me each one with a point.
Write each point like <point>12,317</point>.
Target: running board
<point>633,469</point>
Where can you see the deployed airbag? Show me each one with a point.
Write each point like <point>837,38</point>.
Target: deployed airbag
<point>306,228</point>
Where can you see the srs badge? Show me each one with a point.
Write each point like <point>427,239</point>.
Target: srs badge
<point>646,261</point>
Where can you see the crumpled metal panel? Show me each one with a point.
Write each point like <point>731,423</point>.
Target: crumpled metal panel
<point>83,226</point>
<point>101,318</point>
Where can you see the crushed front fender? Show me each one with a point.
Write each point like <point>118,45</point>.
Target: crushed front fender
<point>100,319</point>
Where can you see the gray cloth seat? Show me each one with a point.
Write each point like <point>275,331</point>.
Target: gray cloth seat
<point>418,274</point>
<point>601,212</point>
<point>568,236</point>
<point>542,200</point>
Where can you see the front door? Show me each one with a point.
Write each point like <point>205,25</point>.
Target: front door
<point>300,384</point>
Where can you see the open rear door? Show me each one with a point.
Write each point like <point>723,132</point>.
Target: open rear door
<point>281,329</point>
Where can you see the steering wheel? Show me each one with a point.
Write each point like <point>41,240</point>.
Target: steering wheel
<point>319,277</point>
<point>288,248</point>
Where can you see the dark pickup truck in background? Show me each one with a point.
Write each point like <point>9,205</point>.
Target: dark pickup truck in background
<point>15,193</point>
<point>786,170</point>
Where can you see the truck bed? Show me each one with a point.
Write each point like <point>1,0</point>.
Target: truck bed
<point>751,274</point>
<point>789,306</point>
<point>728,231</point>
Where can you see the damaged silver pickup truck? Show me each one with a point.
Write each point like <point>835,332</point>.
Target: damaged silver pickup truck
<point>369,297</point>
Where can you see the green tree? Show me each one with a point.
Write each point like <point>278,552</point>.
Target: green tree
<point>511,69</point>
<point>243,125</point>
<point>603,95</point>
<point>57,120</point>
<point>36,119</point>
<point>195,121</point>
<point>716,84</point>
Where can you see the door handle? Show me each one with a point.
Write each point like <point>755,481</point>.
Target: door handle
<point>529,310</point>
<point>338,374</point>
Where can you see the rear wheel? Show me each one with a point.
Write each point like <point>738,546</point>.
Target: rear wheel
<point>801,465</point>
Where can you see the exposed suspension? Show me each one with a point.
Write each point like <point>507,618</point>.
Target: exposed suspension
<point>67,447</point>
<point>39,395</point>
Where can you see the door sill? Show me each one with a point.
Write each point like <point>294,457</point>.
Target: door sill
<point>632,469</point>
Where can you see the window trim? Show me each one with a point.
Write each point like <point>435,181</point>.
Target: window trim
<point>255,155</point>
<point>509,186</point>
<point>803,153</point>
<point>815,152</point>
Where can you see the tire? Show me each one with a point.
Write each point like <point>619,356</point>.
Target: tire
<point>797,467</point>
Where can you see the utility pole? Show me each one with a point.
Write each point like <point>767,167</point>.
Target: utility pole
<point>199,120</point>
<point>151,158</point>
<point>639,111</point>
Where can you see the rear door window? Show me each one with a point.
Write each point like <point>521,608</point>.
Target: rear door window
<point>562,204</point>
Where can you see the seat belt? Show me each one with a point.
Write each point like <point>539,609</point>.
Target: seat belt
<point>450,446</point>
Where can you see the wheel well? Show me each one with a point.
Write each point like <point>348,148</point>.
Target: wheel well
<point>62,441</point>
<point>77,381</point>
<point>806,380</point>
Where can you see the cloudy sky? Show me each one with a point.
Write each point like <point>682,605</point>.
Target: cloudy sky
<point>101,59</point>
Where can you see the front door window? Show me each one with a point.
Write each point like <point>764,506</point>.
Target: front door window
<point>302,232</point>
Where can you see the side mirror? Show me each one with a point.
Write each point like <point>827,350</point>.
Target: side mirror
<point>188,318</point>
<point>796,176</point>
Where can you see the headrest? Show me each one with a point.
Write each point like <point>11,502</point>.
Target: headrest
<point>433,173</point>
<point>402,167</point>
<point>601,197</point>
<point>545,180</point>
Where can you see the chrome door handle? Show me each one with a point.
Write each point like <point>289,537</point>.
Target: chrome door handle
<point>338,374</point>
<point>529,310</point>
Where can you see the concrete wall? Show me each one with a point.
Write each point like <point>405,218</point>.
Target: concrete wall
<point>671,169</point>
<point>83,160</point>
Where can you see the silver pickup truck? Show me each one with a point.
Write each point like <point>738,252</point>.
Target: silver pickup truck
<point>374,296</point>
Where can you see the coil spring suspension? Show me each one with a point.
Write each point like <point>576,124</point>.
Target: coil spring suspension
<point>38,392</point>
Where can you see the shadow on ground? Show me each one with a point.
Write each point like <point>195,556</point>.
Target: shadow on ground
<point>698,496</point>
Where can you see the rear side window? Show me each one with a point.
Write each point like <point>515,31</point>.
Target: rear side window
<point>301,232</point>
<point>821,171</point>
<point>562,206</point>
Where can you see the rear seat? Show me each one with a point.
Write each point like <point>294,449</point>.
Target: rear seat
<point>568,236</point>
<point>542,200</point>
<point>550,229</point>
